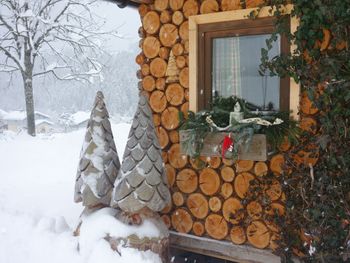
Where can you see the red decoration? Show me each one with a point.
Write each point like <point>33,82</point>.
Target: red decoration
<point>227,145</point>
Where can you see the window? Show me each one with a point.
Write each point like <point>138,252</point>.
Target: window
<point>225,52</point>
<point>229,58</point>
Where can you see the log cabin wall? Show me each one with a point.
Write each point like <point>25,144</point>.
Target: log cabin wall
<point>209,198</point>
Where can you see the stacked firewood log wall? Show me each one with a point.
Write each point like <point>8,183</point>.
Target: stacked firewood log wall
<point>210,197</point>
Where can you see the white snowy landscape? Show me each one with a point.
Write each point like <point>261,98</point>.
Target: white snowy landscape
<point>37,212</point>
<point>54,57</point>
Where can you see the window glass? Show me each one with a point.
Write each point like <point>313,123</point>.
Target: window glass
<point>235,70</point>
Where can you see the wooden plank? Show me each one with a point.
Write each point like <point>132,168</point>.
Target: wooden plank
<point>257,151</point>
<point>147,2</point>
<point>221,249</point>
<point>193,69</point>
<point>294,96</point>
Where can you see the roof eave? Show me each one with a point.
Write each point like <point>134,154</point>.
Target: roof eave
<point>130,3</point>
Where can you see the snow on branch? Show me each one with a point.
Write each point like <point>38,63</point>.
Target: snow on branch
<point>65,31</point>
<point>7,68</point>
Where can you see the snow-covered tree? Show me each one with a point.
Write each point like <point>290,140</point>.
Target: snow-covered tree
<point>99,163</point>
<point>34,33</point>
<point>142,180</point>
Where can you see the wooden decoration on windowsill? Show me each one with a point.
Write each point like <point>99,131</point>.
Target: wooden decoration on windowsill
<point>172,71</point>
<point>212,146</point>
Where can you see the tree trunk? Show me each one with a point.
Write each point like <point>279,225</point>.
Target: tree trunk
<point>151,22</point>
<point>209,6</point>
<point>170,119</point>
<point>150,47</point>
<point>28,95</point>
<point>162,136</point>
<point>241,184</point>
<point>238,235</point>
<point>254,210</point>
<point>176,4</point>
<point>260,169</point>
<point>165,16</point>
<point>181,220</point>
<point>187,180</point>
<point>215,204</point>
<point>232,210</point>
<point>226,190</point>
<point>178,199</point>
<point>168,35</point>
<point>227,174</point>
<point>175,94</point>
<point>157,101</point>
<point>198,205</point>
<point>216,226</point>
<point>198,228</point>
<point>227,5</point>
<point>244,165</point>
<point>190,8</point>
<point>209,181</point>
<point>161,5</point>
<point>258,234</point>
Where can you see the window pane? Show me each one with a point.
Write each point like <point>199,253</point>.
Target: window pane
<point>236,63</point>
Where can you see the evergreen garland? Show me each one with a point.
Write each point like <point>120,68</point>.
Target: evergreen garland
<point>198,126</point>
<point>317,222</point>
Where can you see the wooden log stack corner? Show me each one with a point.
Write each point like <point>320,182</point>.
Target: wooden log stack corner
<point>210,197</point>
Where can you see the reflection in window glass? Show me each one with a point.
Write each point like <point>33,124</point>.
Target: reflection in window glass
<point>236,63</point>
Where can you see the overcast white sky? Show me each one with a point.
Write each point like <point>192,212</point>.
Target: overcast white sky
<point>127,20</point>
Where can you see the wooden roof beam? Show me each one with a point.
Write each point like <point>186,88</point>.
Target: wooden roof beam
<point>130,3</point>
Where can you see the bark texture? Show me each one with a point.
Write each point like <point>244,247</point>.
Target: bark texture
<point>142,179</point>
<point>99,163</point>
<point>29,98</point>
<point>211,197</point>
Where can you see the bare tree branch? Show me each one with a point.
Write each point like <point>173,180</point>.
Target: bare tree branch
<point>34,32</point>
<point>3,21</point>
<point>7,68</point>
<point>45,34</point>
<point>13,58</point>
<point>40,13</point>
<point>49,71</point>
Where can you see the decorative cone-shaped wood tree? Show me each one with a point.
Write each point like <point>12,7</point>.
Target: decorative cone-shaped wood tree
<point>141,188</point>
<point>99,163</point>
<point>172,72</point>
<point>142,181</point>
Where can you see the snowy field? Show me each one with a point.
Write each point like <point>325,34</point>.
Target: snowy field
<point>37,212</point>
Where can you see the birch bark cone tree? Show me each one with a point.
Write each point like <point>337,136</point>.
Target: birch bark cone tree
<point>141,189</point>
<point>142,180</point>
<point>99,163</point>
<point>32,32</point>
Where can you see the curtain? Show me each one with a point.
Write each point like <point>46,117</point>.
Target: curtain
<point>226,67</point>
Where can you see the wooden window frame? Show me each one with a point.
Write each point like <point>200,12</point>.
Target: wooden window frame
<point>207,32</point>
<point>232,22</point>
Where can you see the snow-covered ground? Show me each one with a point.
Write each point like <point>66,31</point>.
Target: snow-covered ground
<point>37,212</point>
